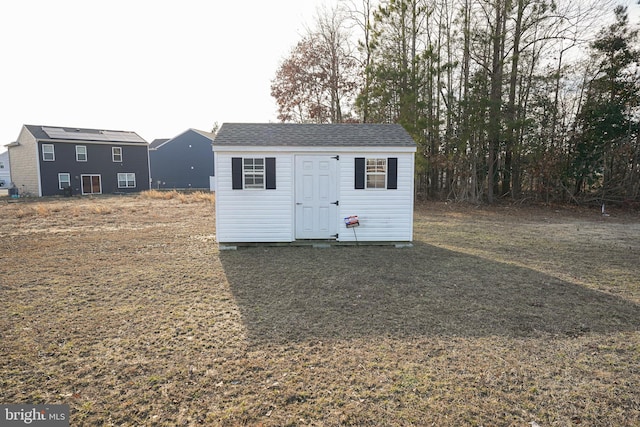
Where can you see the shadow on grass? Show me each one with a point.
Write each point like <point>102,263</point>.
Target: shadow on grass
<point>297,293</point>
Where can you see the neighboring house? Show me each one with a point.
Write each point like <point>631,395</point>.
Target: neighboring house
<point>156,143</point>
<point>5,175</point>
<point>282,182</point>
<point>53,160</point>
<point>182,162</point>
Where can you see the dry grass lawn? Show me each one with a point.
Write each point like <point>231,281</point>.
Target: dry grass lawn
<point>123,308</point>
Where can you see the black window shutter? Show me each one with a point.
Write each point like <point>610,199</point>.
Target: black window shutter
<point>236,173</point>
<point>392,173</point>
<point>359,178</point>
<point>270,170</point>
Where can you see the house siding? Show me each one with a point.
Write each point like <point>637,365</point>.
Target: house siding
<point>251,215</point>
<point>5,172</point>
<point>183,162</point>
<point>31,174</point>
<point>22,159</point>
<point>99,162</point>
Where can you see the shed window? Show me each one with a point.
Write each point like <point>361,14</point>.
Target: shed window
<point>81,153</point>
<point>126,180</point>
<point>376,173</point>
<point>64,180</point>
<point>253,172</point>
<point>48,153</point>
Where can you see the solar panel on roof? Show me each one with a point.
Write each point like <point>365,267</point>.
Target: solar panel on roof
<point>104,135</point>
<point>123,136</point>
<point>54,132</point>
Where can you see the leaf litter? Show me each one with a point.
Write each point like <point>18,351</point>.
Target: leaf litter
<point>123,308</point>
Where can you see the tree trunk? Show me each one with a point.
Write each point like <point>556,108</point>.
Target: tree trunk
<point>511,107</point>
<point>495,100</point>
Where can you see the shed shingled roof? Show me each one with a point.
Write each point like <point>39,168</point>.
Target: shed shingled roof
<point>313,135</point>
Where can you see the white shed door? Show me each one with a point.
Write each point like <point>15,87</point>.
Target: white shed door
<point>316,197</point>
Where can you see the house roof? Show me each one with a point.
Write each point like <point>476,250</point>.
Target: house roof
<point>313,135</point>
<point>157,143</point>
<point>57,133</point>
<point>205,134</point>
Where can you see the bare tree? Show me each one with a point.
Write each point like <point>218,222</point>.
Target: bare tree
<point>360,14</point>
<point>318,82</point>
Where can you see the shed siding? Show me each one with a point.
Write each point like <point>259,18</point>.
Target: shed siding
<point>385,215</point>
<point>254,215</point>
<point>268,215</point>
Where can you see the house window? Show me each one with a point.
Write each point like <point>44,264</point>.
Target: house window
<point>64,180</point>
<point>1,165</point>
<point>116,154</point>
<point>376,173</point>
<point>81,153</point>
<point>91,184</point>
<point>253,173</point>
<point>48,154</point>
<point>126,180</point>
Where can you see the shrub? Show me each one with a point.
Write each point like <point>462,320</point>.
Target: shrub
<point>197,196</point>
<point>42,210</point>
<point>157,194</point>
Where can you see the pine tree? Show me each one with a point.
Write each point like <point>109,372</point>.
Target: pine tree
<point>606,121</point>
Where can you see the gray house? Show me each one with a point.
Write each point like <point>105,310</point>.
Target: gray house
<point>52,160</point>
<point>182,162</point>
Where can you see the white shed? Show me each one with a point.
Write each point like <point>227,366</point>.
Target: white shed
<point>281,182</point>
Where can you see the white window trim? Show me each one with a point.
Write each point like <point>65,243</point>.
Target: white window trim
<point>375,173</point>
<point>254,173</point>
<point>127,180</point>
<point>52,152</point>
<point>86,156</point>
<point>113,154</point>
<point>60,186</point>
<point>91,176</point>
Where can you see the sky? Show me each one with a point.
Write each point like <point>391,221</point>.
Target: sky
<point>155,67</point>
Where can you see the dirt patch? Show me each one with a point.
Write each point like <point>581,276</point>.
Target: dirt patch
<point>123,308</point>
